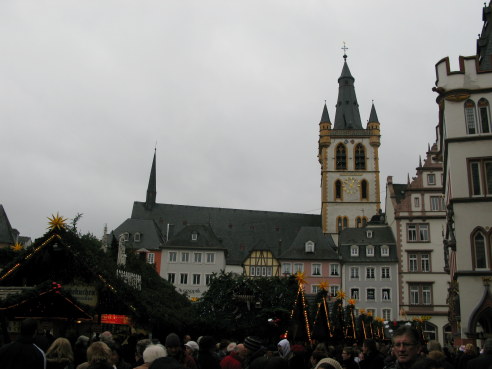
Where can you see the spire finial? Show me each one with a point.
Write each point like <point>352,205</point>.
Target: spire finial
<point>344,48</point>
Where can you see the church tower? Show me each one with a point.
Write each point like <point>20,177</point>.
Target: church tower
<point>349,160</point>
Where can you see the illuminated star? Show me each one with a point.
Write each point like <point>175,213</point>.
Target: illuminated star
<point>351,302</point>
<point>300,278</point>
<point>56,222</point>
<point>17,247</point>
<point>323,286</point>
<point>362,311</point>
<point>341,295</point>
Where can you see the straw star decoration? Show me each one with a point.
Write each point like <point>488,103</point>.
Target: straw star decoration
<point>300,278</point>
<point>56,222</point>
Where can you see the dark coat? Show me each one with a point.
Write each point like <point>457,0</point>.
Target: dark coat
<point>22,354</point>
<point>166,363</point>
<point>483,361</point>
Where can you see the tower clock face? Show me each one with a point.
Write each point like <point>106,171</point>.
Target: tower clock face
<point>351,185</point>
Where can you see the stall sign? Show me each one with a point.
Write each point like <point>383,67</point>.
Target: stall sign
<point>115,319</point>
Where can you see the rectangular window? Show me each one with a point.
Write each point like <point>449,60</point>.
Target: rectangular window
<point>252,271</point>
<point>436,203</point>
<point>208,278</point>
<point>385,273</point>
<point>354,272</point>
<point>484,117</point>
<point>210,258</point>
<point>286,269</point>
<point>315,288</point>
<point>431,179</point>
<point>334,290</point>
<point>298,268</point>
<point>198,257</point>
<point>354,293</point>
<point>150,258</point>
<point>421,294</point>
<point>173,256</point>
<point>263,271</point>
<point>371,312</point>
<point>370,294</point>
<point>416,202</point>
<point>386,314</point>
<point>418,232</point>
<point>354,251</point>
<point>269,271</point>
<point>334,269</point>
<point>316,269</point>
<point>480,177</point>
<point>419,262</point>
<point>386,294</point>
<point>171,277</point>
<point>470,119</point>
<point>196,279</point>
<point>385,251</point>
<point>370,251</point>
<point>370,273</point>
<point>185,257</point>
<point>183,278</point>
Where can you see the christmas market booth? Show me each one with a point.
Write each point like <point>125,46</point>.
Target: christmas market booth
<point>73,287</point>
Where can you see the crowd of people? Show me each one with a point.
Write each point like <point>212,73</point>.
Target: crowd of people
<point>405,351</point>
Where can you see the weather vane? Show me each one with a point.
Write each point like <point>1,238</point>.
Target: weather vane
<point>344,48</point>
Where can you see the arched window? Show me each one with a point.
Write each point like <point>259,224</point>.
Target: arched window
<point>345,222</point>
<point>339,224</point>
<point>358,222</point>
<point>360,157</point>
<point>363,190</point>
<point>470,117</point>
<point>338,189</point>
<point>364,221</point>
<point>341,157</point>
<point>484,113</point>
<point>479,251</point>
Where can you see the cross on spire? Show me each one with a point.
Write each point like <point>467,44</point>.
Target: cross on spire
<point>344,48</point>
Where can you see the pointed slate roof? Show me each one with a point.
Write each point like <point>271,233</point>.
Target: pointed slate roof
<point>381,235</point>
<point>484,43</point>
<point>6,232</point>
<point>151,189</point>
<point>324,246</point>
<point>205,238</point>
<point>325,117</point>
<point>373,117</point>
<point>347,115</point>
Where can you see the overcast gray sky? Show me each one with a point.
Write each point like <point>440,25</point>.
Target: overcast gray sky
<point>231,91</point>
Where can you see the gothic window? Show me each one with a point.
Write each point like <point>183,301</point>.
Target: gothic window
<point>484,113</point>
<point>363,190</point>
<point>479,251</point>
<point>341,157</point>
<point>338,189</point>
<point>360,157</point>
<point>470,117</point>
<point>480,177</point>
<point>345,222</point>
<point>339,224</point>
<point>358,222</point>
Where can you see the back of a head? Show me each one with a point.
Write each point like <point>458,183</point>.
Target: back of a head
<point>60,348</point>
<point>98,352</point>
<point>436,355</point>
<point>434,346</point>
<point>142,345</point>
<point>207,343</point>
<point>106,336</point>
<point>28,327</point>
<point>153,352</point>
<point>371,345</point>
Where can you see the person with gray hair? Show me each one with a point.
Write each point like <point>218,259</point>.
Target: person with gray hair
<point>150,354</point>
<point>484,360</point>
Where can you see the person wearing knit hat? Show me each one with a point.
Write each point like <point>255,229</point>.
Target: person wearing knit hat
<point>255,350</point>
<point>253,344</point>
<point>175,350</point>
<point>335,364</point>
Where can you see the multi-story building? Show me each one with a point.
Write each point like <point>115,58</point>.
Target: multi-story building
<point>465,144</point>
<point>415,212</point>
<point>370,272</point>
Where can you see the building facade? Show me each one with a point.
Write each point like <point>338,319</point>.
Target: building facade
<point>416,214</point>
<point>465,143</point>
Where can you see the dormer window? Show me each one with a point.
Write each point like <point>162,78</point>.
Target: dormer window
<point>385,251</point>
<point>126,236</point>
<point>194,236</point>
<point>370,251</point>
<point>309,247</point>
<point>136,237</point>
<point>369,234</point>
<point>354,250</point>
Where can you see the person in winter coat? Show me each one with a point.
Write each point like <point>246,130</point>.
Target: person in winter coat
<point>150,354</point>
<point>59,355</point>
<point>370,358</point>
<point>235,359</point>
<point>207,359</point>
<point>284,349</point>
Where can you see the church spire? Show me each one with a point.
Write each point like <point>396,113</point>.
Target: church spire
<point>373,117</point>
<point>151,189</point>
<point>347,115</point>
<point>325,117</point>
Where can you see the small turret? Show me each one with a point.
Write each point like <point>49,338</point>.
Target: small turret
<point>373,125</point>
<point>324,129</point>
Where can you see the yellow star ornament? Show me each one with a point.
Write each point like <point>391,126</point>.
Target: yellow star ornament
<point>300,278</point>
<point>323,286</point>
<point>17,247</point>
<point>341,295</point>
<point>56,222</point>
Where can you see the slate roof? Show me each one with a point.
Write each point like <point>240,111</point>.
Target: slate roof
<point>240,231</point>
<point>400,190</point>
<point>347,115</point>
<point>382,235</point>
<point>151,237</point>
<point>206,238</point>
<point>484,43</point>
<point>324,246</point>
<point>6,231</point>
